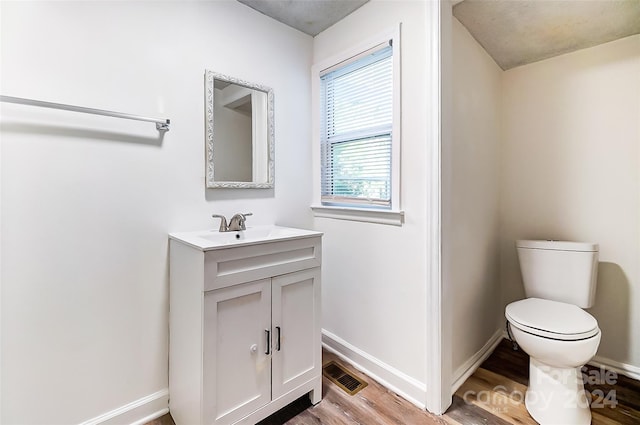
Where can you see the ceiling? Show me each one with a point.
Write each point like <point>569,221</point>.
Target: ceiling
<point>309,16</point>
<point>513,32</point>
<point>516,33</point>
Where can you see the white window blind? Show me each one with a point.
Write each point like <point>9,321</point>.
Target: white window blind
<point>356,124</point>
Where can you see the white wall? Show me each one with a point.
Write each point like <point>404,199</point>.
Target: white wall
<point>87,201</point>
<point>375,276</point>
<point>471,240</point>
<point>571,170</point>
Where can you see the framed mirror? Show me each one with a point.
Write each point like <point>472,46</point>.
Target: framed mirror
<point>239,133</point>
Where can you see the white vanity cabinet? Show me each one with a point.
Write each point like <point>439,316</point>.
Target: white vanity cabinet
<point>244,327</point>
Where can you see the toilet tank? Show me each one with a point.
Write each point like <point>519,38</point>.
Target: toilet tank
<point>559,271</point>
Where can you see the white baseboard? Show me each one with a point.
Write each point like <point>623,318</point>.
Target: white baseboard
<point>407,387</point>
<point>463,372</point>
<point>137,412</point>
<point>628,370</point>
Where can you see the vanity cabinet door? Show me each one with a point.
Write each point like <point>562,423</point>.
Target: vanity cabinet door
<point>296,329</point>
<point>236,363</point>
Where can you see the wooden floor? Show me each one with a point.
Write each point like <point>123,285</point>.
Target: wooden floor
<point>492,395</point>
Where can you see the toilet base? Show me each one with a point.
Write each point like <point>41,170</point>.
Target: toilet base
<point>556,395</point>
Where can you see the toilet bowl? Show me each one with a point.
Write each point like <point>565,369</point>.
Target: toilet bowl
<point>560,338</point>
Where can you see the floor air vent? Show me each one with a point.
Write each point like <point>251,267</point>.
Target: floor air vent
<point>339,376</point>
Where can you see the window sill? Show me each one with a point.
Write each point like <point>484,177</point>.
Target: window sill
<point>390,217</point>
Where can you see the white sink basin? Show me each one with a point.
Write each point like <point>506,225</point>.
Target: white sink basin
<point>213,239</point>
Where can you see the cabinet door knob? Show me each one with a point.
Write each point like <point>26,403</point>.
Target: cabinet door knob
<point>254,348</point>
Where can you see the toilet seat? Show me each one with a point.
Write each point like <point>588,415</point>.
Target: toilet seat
<point>552,319</point>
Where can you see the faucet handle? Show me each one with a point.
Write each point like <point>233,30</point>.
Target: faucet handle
<point>243,219</point>
<point>223,222</point>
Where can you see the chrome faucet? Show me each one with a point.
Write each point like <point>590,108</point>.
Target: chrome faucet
<point>236,223</point>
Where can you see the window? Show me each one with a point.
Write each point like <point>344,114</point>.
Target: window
<point>358,126</point>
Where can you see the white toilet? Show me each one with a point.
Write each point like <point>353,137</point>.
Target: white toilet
<point>550,325</point>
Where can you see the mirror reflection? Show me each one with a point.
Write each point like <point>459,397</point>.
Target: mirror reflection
<point>239,133</point>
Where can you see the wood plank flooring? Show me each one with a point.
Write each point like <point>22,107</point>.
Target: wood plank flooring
<point>493,395</point>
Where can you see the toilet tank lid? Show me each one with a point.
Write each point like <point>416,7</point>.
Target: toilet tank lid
<point>558,245</point>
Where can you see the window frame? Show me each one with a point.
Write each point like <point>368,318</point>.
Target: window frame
<point>357,211</point>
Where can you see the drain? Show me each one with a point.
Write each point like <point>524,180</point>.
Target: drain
<point>342,378</point>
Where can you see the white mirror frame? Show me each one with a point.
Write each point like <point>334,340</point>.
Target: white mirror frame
<point>211,183</point>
